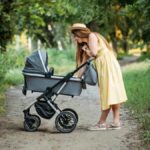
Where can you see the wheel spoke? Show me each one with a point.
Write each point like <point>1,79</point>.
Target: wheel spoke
<point>65,122</point>
<point>31,123</point>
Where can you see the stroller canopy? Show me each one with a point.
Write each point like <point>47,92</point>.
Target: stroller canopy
<point>37,62</point>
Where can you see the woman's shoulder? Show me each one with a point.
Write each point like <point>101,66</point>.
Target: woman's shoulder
<point>93,35</point>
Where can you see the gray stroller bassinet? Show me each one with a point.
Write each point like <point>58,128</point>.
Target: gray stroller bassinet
<point>38,77</point>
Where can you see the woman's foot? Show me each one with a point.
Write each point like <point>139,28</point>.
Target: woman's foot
<point>98,127</point>
<point>115,126</point>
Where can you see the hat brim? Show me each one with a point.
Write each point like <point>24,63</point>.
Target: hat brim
<point>79,28</point>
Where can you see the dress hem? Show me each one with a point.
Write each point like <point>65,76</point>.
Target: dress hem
<point>112,104</point>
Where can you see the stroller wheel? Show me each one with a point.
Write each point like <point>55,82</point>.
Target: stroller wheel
<point>73,112</point>
<point>31,123</point>
<point>65,122</point>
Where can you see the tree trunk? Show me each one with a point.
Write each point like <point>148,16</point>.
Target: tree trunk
<point>148,48</point>
<point>115,45</point>
<point>125,45</point>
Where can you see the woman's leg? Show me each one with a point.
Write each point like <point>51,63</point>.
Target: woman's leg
<point>101,123</point>
<point>116,113</point>
<point>103,116</point>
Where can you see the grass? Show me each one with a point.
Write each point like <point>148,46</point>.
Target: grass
<point>3,88</point>
<point>13,77</point>
<point>10,64</point>
<point>145,55</point>
<point>137,82</point>
<point>122,54</point>
<point>62,61</point>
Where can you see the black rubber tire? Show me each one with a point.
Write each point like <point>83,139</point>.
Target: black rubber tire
<point>65,122</point>
<point>73,112</point>
<point>31,123</point>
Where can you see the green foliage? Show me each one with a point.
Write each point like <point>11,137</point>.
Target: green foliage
<point>14,77</point>
<point>2,68</point>
<point>2,98</point>
<point>138,14</point>
<point>35,17</point>
<point>121,55</point>
<point>62,61</point>
<point>10,60</point>
<point>10,73</point>
<point>6,26</point>
<point>145,55</point>
<point>137,79</point>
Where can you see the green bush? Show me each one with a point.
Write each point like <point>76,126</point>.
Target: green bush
<point>145,55</point>
<point>11,59</point>
<point>13,77</point>
<point>11,63</point>
<point>122,54</point>
<point>62,61</point>
<point>137,82</point>
<point>4,65</point>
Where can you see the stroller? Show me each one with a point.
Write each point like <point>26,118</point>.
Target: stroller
<point>38,78</point>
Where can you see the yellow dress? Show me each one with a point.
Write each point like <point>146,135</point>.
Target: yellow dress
<point>111,86</point>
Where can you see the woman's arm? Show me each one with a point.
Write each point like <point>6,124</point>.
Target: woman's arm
<point>81,71</point>
<point>93,45</point>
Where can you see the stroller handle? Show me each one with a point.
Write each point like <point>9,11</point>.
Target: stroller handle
<point>90,59</point>
<point>86,63</point>
<point>69,75</point>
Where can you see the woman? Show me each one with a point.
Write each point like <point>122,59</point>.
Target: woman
<point>111,86</point>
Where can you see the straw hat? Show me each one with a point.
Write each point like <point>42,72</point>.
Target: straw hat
<point>79,26</point>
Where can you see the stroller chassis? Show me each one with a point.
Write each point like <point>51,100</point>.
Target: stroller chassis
<point>32,122</point>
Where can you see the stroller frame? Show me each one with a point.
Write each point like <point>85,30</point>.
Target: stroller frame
<point>66,119</point>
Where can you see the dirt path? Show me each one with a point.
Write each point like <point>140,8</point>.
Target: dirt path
<point>13,137</point>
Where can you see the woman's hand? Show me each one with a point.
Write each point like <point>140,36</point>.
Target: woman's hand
<point>85,48</point>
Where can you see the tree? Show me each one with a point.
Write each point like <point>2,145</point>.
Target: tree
<point>49,21</point>
<point>7,26</point>
<point>138,14</point>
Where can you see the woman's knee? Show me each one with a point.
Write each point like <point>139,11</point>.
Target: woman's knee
<point>115,106</point>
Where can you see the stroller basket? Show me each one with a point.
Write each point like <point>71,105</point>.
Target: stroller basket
<point>40,84</point>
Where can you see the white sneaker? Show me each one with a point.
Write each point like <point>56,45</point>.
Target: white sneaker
<point>98,127</point>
